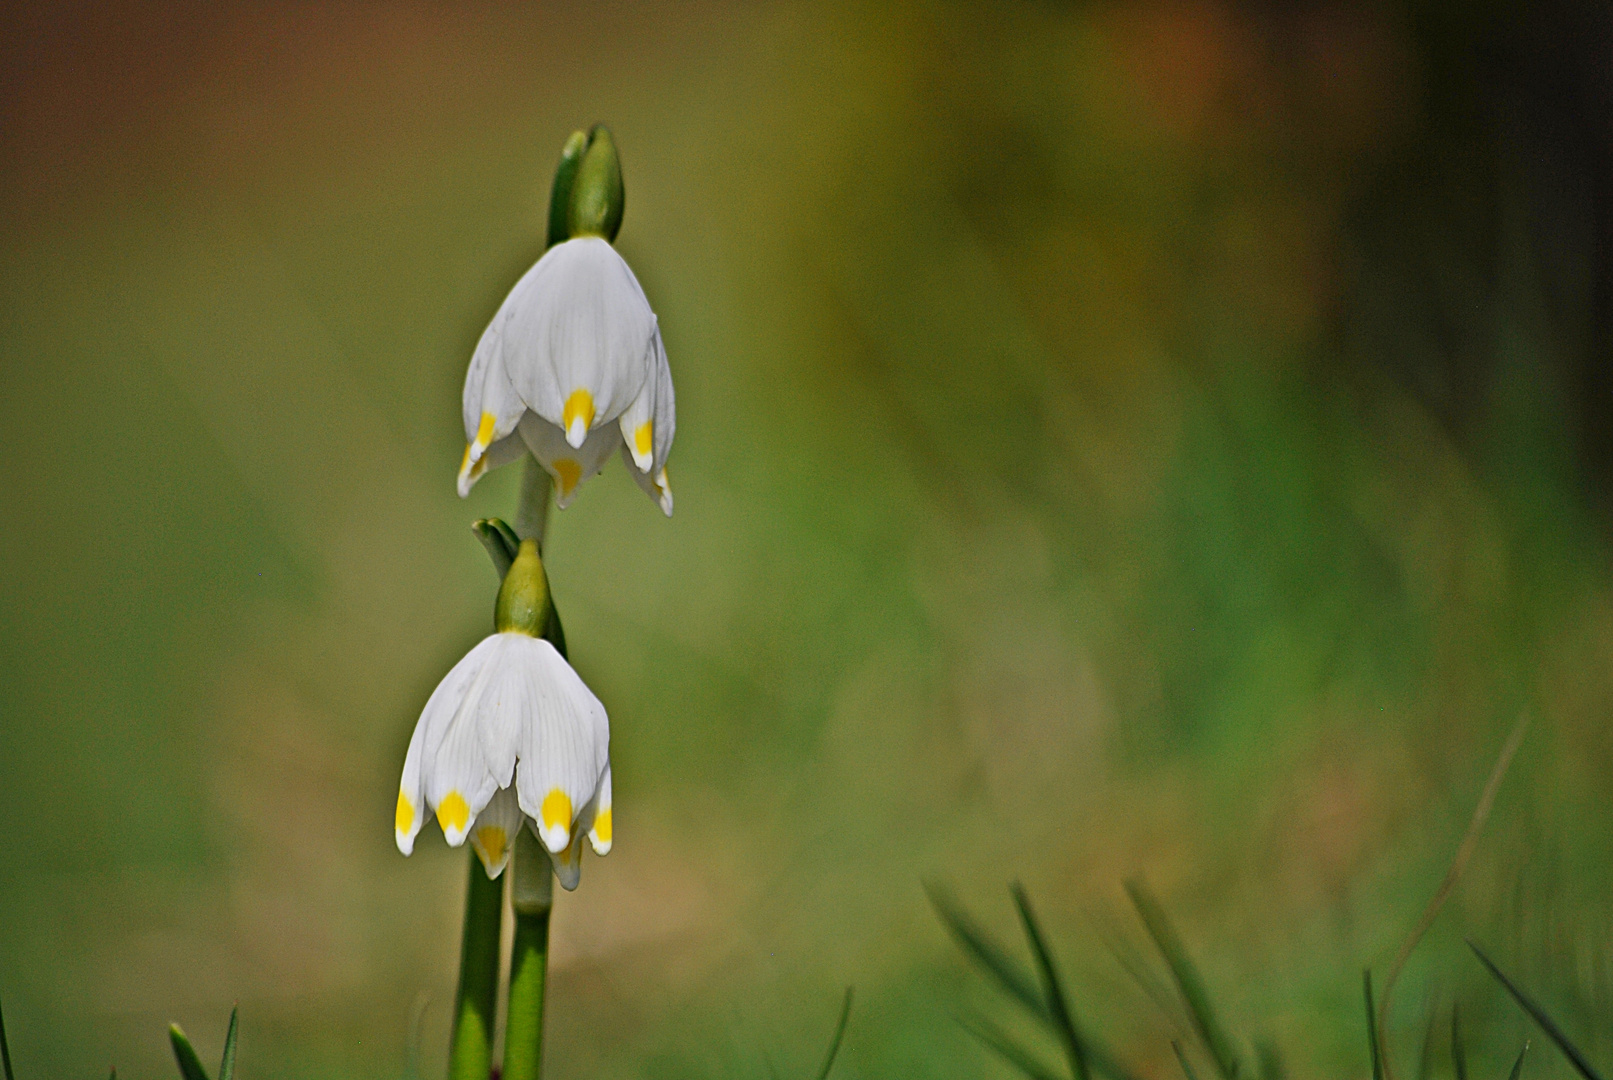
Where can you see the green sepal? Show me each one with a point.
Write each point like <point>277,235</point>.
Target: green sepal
<point>500,541</point>
<point>226,1068</point>
<point>560,195</point>
<point>523,600</point>
<point>596,192</point>
<point>554,634</point>
<point>190,1066</point>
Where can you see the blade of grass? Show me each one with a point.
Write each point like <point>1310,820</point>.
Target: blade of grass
<point>1458,1051</point>
<point>991,957</point>
<point>1051,987</point>
<point>1453,874</point>
<point>1553,1032</point>
<point>1372,1025</point>
<point>5,1050</point>
<point>1004,1047</point>
<point>226,1068</point>
<point>840,1033</point>
<point>1187,1069</point>
<point>1187,978</point>
<point>1517,1066</point>
<point>190,1066</point>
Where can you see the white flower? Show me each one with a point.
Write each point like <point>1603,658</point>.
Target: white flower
<point>571,367</point>
<point>511,735</point>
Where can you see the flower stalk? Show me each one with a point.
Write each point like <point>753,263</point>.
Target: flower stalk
<point>470,1056</point>
<point>532,897</point>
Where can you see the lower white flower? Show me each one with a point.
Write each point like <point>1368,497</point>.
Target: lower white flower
<point>511,735</point>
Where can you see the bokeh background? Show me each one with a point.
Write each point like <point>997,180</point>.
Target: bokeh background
<point>1166,439</point>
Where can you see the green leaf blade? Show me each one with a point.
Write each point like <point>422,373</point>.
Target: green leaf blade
<point>986,953</point>
<point>1057,1004</point>
<point>226,1068</point>
<point>839,1036</point>
<point>190,1066</point>
<point>1188,982</point>
<point>1540,1016</point>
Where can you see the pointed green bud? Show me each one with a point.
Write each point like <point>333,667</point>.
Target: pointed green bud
<point>560,194</point>
<point>523,600</point>
<point>596,193</point>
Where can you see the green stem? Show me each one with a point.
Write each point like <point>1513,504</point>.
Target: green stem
<point>532,897</point>
<point>532,509</point>
<point>470,1056</point>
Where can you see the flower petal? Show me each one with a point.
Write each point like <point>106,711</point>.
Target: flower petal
<point>657,487</point>
<point>567,862</point>
<point>456,771</point>
<point>565,745</point>
<point>569,467</point>
<point>493,838</point>
<point>575,333</point>
<point>599,830</point>
<point>439,712</point>
<point>505,450</point>
<point>490,405</point>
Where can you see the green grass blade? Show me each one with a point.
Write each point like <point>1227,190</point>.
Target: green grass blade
<point>1004,1047</point>
<point>1517,1066</point>
<point>226,1068</point>
<point>1187,979</point>
<point>5,1050</point>
<point>190,1066</point>
<point>1458,1051</point>
<point>1063,1020</point>
<point>840,1034</point>
<point>1553,1032</point>
<point>1181,1057</point>
<point>991,957</point>
<point>1372,1025</point>
<point>492,533</point>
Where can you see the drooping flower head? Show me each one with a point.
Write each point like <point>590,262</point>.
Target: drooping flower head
<point>572,365</point>
<point>512,735</point>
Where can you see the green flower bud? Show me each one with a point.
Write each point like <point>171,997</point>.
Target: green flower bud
<point>523,604</point>
<point>596,192</point>
<point>560,194</point>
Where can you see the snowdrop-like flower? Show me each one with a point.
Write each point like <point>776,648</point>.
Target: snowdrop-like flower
<point>512,735</point>
<point>572,365</point>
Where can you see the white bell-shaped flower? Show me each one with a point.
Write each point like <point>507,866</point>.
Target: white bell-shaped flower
<point>572,366</point>
<point>512,735</point>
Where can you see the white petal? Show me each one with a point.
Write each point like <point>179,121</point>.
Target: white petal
<point>411,794</point>
<point>666,413</point>
<point>457,761</point>
<point>574,335</point>
<point>508,449</point>
<point>638,427</point>
<point>440,708</point>
<point>599,830</point>
<point>569,467</point>
<point>567,862</point>
<point>490,405</point>
<point>657,487</point>
<point>566,743</point>
<point>493,837</point>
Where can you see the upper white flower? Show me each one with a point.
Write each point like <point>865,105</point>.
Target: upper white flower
<point>512,734</point>
<point>572,366</point>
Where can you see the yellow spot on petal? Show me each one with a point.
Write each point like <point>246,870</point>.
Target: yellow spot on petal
<point>602,826</point>
<point>491,842</point>
<point>556,810</point>
<point>579,406</point>
<point>569,472</point>
<point>484,433</point>
<point>452,813</point>
<point>405,816</point>
<point>644,438</point>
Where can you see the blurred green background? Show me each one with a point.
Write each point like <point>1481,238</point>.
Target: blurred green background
<point>1166,440</point>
